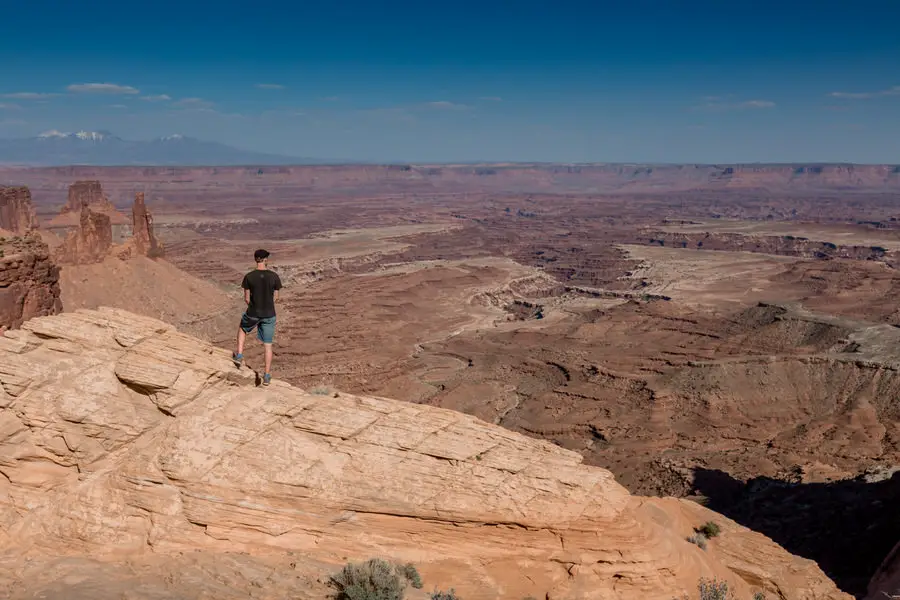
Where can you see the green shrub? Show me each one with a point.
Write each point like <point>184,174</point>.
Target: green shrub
<point>375,579</point>
<point>709,529</point>
<point>759,596</point>
<point>451,595</point>
<point>714,590</point>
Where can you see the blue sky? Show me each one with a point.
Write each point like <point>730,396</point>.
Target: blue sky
<point>635,81</point>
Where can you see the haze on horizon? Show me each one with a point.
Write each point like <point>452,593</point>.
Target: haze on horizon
<point>659,81</point>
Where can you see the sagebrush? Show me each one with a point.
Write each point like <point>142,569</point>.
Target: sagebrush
<point>375,579</point>
<point>698,539</point>
<point>714,590</point>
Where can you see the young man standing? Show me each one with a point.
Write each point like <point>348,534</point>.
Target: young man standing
<point>260,293</point>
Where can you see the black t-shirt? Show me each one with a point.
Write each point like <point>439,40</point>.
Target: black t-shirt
<point>262,285</point>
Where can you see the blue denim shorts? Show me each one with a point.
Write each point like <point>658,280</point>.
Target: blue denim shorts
<point>265,328</point>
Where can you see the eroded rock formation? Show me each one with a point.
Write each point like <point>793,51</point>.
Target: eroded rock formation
<point>16,212</point>
<point>90,242</point>
<point>145,241</point>
<point>128,447</point>
<point>87,193</point>
<point>29,282</point>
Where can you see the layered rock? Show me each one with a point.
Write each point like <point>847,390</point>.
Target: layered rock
<point>16,212</point>
<point>90,242</point>
<point>145,241</point>
<point>29,281</point>
<point>125,443</point>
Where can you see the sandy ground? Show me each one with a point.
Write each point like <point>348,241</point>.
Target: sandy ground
<point>154,288</point>
<point>711,278</point>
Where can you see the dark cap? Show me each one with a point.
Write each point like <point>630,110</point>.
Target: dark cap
<point>260,255</point>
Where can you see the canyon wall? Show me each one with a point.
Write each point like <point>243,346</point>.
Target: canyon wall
<point>501,178</point>
<point>29,281</point>
<point>885,585</point>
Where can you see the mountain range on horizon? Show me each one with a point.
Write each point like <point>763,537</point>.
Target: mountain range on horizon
<point>55,148</point>
<point>102,148</point>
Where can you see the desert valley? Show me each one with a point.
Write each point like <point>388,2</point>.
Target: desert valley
<point>527,380</point>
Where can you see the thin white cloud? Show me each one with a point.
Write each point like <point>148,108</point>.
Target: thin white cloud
<point>12,122</point>
<point>492,98</point>
<point>756,104</point>
<point>206,110</point>
<point>102,88</point>
<point>158,98</point>
<point>446,105</point>
<point>10,107</point>
<point>892,91</point>
<point>270,86</point>
<point>28,96</point>
<point>742,105</point>
<point>118,106</point>
<point>194,103</point>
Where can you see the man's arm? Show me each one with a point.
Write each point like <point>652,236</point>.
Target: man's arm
<point>277,287</point>
<point>246,286</point>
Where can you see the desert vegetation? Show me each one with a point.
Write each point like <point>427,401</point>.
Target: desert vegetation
<point>375,579</point>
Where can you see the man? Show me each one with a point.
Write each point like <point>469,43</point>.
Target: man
<point>260,293</point>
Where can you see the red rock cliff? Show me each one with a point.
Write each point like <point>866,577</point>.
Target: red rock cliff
<point>145,241</point>
<point>90,242</point>
<point>29,281</point>
<point>16,212</point>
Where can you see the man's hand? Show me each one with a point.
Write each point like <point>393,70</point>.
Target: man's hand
<point>247,297</point>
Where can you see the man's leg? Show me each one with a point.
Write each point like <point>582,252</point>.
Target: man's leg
<point>242,337</point>
<point>246,324</point>
<point>268,357</point>
<point>266,333</point>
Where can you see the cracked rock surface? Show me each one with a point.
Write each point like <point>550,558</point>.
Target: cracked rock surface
<point>139,462</point>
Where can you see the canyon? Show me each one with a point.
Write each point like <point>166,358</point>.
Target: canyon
<point>718,336</point>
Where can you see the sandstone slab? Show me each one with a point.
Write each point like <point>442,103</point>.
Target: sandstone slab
<point>125,442</point>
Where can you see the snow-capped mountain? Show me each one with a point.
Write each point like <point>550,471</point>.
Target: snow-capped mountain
<point>102,148</point>
<point>92,136</point>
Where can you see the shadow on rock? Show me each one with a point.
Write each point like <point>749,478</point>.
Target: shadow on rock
<point>847,527</point>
